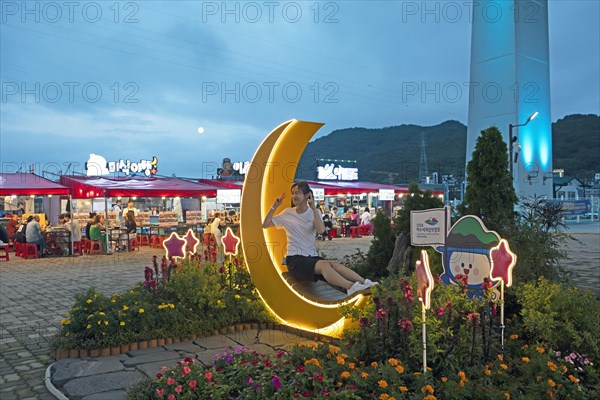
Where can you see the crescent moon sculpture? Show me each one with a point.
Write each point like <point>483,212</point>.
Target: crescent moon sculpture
<point>271,173</point>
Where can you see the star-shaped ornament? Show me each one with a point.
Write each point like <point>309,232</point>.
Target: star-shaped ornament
<point>191,241</point>
<point>503,262</point>
<point>230,242</point>
<point>174,246</point>
<point>424,280</point>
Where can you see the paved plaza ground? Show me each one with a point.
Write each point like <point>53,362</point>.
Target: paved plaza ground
<point>36,294</point>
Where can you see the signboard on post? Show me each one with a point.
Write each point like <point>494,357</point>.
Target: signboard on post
<point>386,194</point>
<point>428,227</point>
<point>319,194</point>
<point>229,196</point>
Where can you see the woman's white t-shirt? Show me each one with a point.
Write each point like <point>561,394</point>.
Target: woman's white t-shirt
<point>300,230</point>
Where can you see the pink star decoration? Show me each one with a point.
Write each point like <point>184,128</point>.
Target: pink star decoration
<point>230,242</point>
<point>174,246</point>
<point>424,280</point>
<point>191,241</point>
<point>503,262</point>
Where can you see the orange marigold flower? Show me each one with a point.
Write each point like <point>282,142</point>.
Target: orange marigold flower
<point>488,372</point>
<point>573,379</point>
<point>514,337</point>
<point>551,383</point>
<point>430,397</point>
<point>351,365</point>
<point>333,349</point>
<point>374,364</point>
<point>462,375</point>
<point>382,383</point>
<point>525,359</point>
<point>500,357</point>
<point>340,360</point>
<point>427,389</point>
<point>507,395</point>
<point>393,362</point>
<point>563,368</point>
<point>403,389</point>
<point>364,375</point>
<point>444,379</point>
<point>345,374</point>
<point>344,355</point>
<point>551,365</point>
<point>525,346</point>
<point>384,396</point>
<point>504,366</point>
<point>540,350</point>
<point>400,369</point>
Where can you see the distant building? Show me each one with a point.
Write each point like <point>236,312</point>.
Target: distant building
<point>568,188</point>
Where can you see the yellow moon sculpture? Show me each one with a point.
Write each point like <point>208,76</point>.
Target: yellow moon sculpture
<point>270,174</point>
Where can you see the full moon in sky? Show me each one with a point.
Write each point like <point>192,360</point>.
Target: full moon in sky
<point>201,130</point>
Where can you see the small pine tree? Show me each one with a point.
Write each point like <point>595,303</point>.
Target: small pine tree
<point>416,200</point>
<point>382,247</point>
<point>490,193</point>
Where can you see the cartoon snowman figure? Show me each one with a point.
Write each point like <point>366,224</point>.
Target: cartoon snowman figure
<point>467,254</point>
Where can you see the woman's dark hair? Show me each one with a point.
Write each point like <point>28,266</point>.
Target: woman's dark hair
<point>30,218</point>
<point>92,215</point>
<point>367,209</point>
<point>302,186</point>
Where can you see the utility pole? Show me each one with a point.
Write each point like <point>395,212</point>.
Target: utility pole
<point>423,170</point>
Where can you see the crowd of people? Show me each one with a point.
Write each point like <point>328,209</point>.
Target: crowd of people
<point>337,219</point>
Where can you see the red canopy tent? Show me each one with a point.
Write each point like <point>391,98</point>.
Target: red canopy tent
<point>29,184</point>
<point>354,187</point>
<point>96,186</point>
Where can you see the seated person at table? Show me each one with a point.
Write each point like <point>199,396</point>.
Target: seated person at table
<point>34,235</point>
<point>72,227</point>
<point>365,220</point>
<point>216,227</point>
<point>96,232</point>
<point>12,226</point>
<point>89,224</point>
<point>20,236</point>
<point>3,235</point>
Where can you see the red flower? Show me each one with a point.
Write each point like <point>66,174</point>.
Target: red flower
<point>300,368</point>
<point>158,376</point>
<point>178,389</point>
<point>208,376</point>
<point>380,314</point>
<point>319,378</point>
<point>160,392</point>
<point>186,370</point>
<point>170,381</point>
<point>193,384</point>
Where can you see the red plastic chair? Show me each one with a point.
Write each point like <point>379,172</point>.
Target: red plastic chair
<point>95,247</point>
<point>29,251</point>
<point>134,244</point>
<point>354,231</point>
<point>78,248</point>
<point>5,256</point>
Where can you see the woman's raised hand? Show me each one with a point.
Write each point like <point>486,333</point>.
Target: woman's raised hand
<point>278,201</point>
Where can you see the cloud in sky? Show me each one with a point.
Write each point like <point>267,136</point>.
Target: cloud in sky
<point>136,79</point>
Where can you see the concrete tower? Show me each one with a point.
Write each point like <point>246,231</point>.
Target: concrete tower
<point>510,81</point>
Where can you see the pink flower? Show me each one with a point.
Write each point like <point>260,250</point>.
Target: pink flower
<point>170,381</point>
<point>440,311</point>
<point>448,304</point>
<point>160,392</point>
<point>208,376</point>
<point>380,314</point>
<point>186,370</point>
<point>405,325</point>
<point>473,317</point>
<point>178,389</point>
<point>193,384</point>
<point>249,381</point>
<point>276,382</point>
<point>171,397</point>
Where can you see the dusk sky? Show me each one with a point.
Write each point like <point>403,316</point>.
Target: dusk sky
<point>138,79</point>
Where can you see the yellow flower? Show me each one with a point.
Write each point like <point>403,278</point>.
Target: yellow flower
<point>427,389</point>
<point>551,383</point>
<point>345,374</point>
<point>237,296</point>
<point>105,322</point>
<point>507,395</point>
<point>384,396</point>
<point>403,389</point>
<point>121,323</point>
<point>219,302</point>
<point>382,383</point>
<point>540,350</point>
<point>365,375</point>
<point>88,326</point>
<point>312,361</point>
<point>141,310</point>
<point>393,362</point>
<point>444,379</point>
<point>551,365</point>
<point>67,334</point>
<point>351,365</point>
<point>340,360</point>
<point>99,322</point>
<point>171,305</point>
<point>514,337</point>
<point>333,349</point>
<point>101,313</point>
<point>573,379</point>
<point>89,301</point>
<point>374,364</point>
<point>525,359</point>
<point>400,369</point>
<point>113,301</point>
<point>65,321</point>
<point>504,366</point>
<point>125,308</point>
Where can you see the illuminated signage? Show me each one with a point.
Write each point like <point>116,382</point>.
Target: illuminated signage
<point>386,194</point>
<point>229,196</point>
<point>97,166</point>
<point>334,170</point>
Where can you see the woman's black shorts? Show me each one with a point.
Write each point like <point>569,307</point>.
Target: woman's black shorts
<point>302,267</point>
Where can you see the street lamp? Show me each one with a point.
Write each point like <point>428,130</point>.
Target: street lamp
<point>513,146</point>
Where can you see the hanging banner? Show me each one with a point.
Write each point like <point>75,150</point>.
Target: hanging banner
<point>386,194</point>
<point>428,227</point>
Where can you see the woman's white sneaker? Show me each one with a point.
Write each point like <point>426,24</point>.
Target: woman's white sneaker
<point>369,283</point>
<point>356,287</point>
